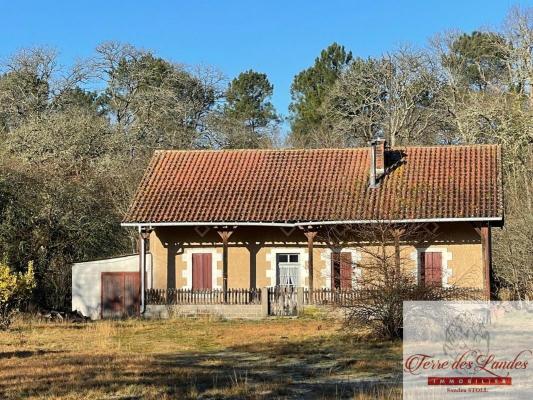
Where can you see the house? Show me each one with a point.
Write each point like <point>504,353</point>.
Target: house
<point>227,219</point>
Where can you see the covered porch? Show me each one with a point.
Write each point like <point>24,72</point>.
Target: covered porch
<point>221,260</point>
<point>236,265</point>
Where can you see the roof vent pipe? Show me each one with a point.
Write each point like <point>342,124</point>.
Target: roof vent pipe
<point>377,160</point>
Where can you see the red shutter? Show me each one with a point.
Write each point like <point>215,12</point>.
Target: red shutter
<point>341,270</point>
<point>346,270</point>
<point>207,272</point>
<point>201,271</point>
<point>431,263</point>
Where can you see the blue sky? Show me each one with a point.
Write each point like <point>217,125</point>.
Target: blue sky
<point>279,38</point>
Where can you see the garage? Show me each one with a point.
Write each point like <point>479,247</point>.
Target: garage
<point>108,288</point>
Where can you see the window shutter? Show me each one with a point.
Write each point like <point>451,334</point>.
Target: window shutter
<point>341,270</point>
<point>208,281</point>
<point>431,268</point>
<point>201,271</point>
<point>346,270</point>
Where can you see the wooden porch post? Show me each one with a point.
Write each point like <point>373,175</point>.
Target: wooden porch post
<point>486,245</point>
<point>310,235</point>
<point>224,234</point>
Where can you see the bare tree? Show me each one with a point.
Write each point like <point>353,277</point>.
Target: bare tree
<point>486,91</point>
<point>518,30</point>
<point>31,82</point>
<point>154,102</point>
<point>498,111</point>
<point>387,275</point>
<point>393,95</point>
<point>513,244</point>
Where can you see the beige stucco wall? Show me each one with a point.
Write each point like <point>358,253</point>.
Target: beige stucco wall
<point>251,255</point>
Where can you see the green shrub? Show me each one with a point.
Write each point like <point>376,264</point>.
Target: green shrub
<point>15,288</point>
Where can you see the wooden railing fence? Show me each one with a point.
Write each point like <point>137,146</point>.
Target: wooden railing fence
<point>347,297</point>
<point>207,296</point>
<point>287,297</point>
<point>336,296</point>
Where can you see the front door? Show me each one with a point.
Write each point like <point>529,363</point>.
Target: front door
<point>431,268</point>
<point>120,294</point>
<point>341,270</point>
<point>202,271</point>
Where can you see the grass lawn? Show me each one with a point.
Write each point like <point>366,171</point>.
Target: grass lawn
<point>191,359</point>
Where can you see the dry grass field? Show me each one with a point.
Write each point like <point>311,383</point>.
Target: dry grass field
<point>193,359</point>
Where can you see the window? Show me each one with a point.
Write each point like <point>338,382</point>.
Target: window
<point>285,258</point>
<point>288,271</point>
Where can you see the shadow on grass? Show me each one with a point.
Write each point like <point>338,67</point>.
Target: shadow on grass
<point>305,369</point>
<point>26,353</point>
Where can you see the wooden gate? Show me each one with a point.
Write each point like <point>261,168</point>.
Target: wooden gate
<point>283,301</point>
<point>120,294</point>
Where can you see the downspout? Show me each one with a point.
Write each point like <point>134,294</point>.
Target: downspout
<point>142,254</point>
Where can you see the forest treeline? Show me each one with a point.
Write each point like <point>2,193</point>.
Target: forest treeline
<point>75,141</point>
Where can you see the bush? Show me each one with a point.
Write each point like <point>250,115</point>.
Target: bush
<point>15,288</point>
<point>381,310</point>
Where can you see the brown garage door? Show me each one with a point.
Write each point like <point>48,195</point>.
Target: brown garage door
<point>120,294</point>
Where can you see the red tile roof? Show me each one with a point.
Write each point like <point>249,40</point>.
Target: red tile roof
<point>318,185</point>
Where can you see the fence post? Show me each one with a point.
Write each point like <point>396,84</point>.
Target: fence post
<point>264,302</point>
<point>299,300</point>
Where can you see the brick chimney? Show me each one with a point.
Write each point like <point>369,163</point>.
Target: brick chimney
<point>377,160</point>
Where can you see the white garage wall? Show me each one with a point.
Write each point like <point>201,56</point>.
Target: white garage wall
<point>86,281</point>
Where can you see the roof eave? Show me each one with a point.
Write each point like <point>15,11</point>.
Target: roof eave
<point>495,220</point>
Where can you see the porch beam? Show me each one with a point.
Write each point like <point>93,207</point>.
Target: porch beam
<point>225,234</point>
<point>310,235</point>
